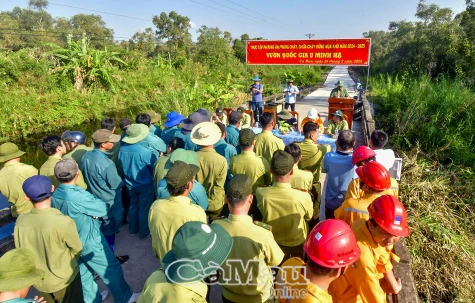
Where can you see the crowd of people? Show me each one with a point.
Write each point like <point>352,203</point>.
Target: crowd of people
<point>221,204</point>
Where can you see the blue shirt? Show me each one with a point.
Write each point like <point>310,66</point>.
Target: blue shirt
<point>20,300</point>
<point>197,194</point>
<point>232,135</point>
<point>156,130</point>
<point>256,96</point>
<point>169,133</point>
<point>137,163</point>
<point>227,151</point>
<point>83,208</point>
<point>155,144</point>
<point>340,171</point>
<point>101,176</point>
<point>289,97</point>
<point>189,145</point>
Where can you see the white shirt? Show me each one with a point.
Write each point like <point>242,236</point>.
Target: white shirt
<point>289,97</point>
<point>385,157</point>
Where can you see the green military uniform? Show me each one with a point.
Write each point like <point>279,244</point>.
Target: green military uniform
<point>336,93</point>
<point>301,179</point>
<point>212,175</point>
<point>253,166</point>
<point>12,176</point>
<point>77,153</point>
<point>224,119</point>
<point>252,241</point>
<point>340,126</point>
<point>47,169</point>
<point>312,160</point>
<point>166,216</point>
<point>266,144</point>
<point>157,289</point>
<point>159,171</point>
<point>246,121</point>
<point>286,210</point>
<point>54,240</point>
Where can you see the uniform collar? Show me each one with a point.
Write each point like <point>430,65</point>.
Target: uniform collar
<point>240,218</point>
<point>12,164</point>
<point>369,237</point>
<point>267,131</point>
<point>232,126</point>
<point>308,141</point>
<point>296,167</point>
<point>197,287</point>
<point>180,199</point>
<point>53,157</point>
<point>281,184</point>
<point>207,150</point>
<point>248,152</point>
<point>50,210</point>
<point>105,154</point>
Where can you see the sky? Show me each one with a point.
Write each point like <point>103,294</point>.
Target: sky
<point>279,20</point>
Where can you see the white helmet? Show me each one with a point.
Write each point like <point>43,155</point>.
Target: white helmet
<point>313,114</point>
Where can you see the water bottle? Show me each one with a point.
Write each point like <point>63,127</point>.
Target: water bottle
<point>256,125</point>
<point>336,131</point>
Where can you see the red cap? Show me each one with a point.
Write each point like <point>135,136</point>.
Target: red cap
<point>389,213</point>
<point>332,244</point>
<point>374,175</point>
<point>362,153</point>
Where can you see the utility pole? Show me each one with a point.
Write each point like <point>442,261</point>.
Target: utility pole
<point>310,35</point>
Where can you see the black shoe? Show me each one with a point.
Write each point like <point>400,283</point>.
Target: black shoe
<point>122,259</point>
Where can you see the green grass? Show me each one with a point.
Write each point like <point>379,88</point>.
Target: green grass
<point>431,126</point>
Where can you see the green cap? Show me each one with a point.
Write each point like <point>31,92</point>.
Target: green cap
<point>181,173</point>
<point>282,162</point>
<point>135,133</point>
<point>239,187</point>
<point>285,114</point>
<point>338,113</point>
<point>246,137</point>
<point>340,83</point>
<point>241,109</point>
<point>18,270</point>
<point>196,246</point>
<point>187,156</point>
<point>9,151</point>
<point>154,116</point>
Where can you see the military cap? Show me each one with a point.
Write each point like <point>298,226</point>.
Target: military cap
<point>282,162</point>
<point>181,173</point>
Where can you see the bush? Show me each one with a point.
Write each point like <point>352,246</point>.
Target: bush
<point>438,115</point>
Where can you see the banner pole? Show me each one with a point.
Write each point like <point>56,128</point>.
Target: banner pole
<point>245,84</point>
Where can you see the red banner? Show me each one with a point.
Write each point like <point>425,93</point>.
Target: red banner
<point>354,52</point>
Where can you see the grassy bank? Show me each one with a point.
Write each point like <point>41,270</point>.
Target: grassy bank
<point>431,127</point>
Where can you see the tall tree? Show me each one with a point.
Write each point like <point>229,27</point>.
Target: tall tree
<point>173,29</point>
<point>213,47</point>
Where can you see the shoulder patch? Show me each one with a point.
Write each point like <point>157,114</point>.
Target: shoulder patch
<point>263,225</point>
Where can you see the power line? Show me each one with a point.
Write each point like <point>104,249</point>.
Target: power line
<point>257,12</point>
<point>240,12</point>
<point>224,11</point>
<point>101,12</point>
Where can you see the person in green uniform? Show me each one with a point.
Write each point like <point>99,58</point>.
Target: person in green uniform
<point>219,116</point>
<point>168,215</point>
<point>339,91</point>
<point>154,119</point>
<point>312,160</point>
<point>246,118</point>
<point>12,176</point>
<point>18,271</point>
<point>75,142</point>
<point>151,141</point>
<point>105,183</point>
<point>232,130</point>
<point>225,149</point>
<point>171,126</point>
<point>213,166</point>
<point>257,168</point>
<point>254,245</point>
<point>55,149</point>
<point>96,256</point>
<point>300,179</point>
<point>161,166</point>
<point>286,209</point>
<point>113,154</point>
<point>53,239</point>
<point>337,124</point>
<point>266,143</point>
<point>194,246</point>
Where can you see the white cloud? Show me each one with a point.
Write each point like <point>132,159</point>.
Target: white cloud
<point>194,25</point>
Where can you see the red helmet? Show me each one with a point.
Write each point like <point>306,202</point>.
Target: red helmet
<point>374,175</point>
<point>332,244</point>
<point>362,153</point>
<point>389,213</point>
